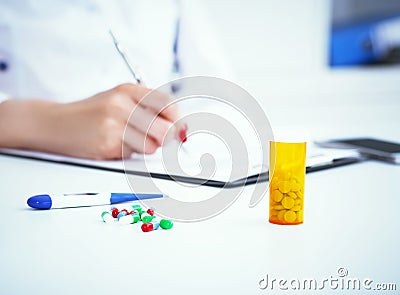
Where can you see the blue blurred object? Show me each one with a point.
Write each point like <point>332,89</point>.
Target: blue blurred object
<point>359,44</point>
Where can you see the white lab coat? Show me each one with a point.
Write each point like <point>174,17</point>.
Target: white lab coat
<point>61,49</point>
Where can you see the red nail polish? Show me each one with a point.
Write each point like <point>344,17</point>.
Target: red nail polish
<point>182,134</point>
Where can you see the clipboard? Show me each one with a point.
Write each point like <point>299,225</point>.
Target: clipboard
<point>316,161</point>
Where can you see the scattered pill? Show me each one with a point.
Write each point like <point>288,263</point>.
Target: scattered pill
<point>121,214</point>
<point>136,218</point>
<point>147,219</point>
<point>115,212</point>
<point>126,219</point>
<point>156,225</point>
<point>166,224</point>
<point>144,214</point>
<point>107,217</point>
<point>137,208</point>
<point>146,227</point>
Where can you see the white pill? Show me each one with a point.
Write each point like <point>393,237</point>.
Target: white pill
<point>127,219</point>
<point>107,218</point>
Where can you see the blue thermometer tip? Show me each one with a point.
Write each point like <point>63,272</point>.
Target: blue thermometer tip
<point>40,202</point>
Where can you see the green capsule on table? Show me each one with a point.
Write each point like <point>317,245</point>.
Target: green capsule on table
<point>136,218</point>
<point>107,217</point>
<point>166,224</point>
<point>144,214</point>
<point>148,218</point>
<point>137,208</point>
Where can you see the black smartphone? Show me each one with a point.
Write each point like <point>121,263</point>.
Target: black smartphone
<point>369,147</point>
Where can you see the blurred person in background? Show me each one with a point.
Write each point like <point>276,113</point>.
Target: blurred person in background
<point>64,88</point>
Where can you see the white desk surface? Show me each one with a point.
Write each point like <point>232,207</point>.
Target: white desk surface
<point>351,220</point>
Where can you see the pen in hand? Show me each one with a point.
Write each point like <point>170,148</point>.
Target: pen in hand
<point>135,72</point>
<point>181,134</point>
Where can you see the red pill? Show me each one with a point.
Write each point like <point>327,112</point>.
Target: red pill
<point>146,227</point>
<point>124,210</point>
<point>150,212</point>
<point>114,212</point>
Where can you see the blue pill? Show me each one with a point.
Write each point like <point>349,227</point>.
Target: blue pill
<point>156,225</point>
<point>120,214</point>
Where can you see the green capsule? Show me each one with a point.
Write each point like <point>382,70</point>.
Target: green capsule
<point>166,224</point>
<point>136,218</point>
<point>144,214</point>
<point>107,217</point>
<point>147,219</point>
<point>137,208</point>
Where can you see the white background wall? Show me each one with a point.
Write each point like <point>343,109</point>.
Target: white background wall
<point>278,50</point>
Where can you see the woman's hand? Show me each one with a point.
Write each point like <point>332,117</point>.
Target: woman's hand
<point>93,128</point>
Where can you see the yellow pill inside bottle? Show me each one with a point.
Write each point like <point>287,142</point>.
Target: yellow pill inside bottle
<point>290,216</point>
<point>296,208</point>
<point>281,215</point>
<point>284,186</point>
<point>277,196</point>
<point>287,202</point>
<point>278,207</point>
